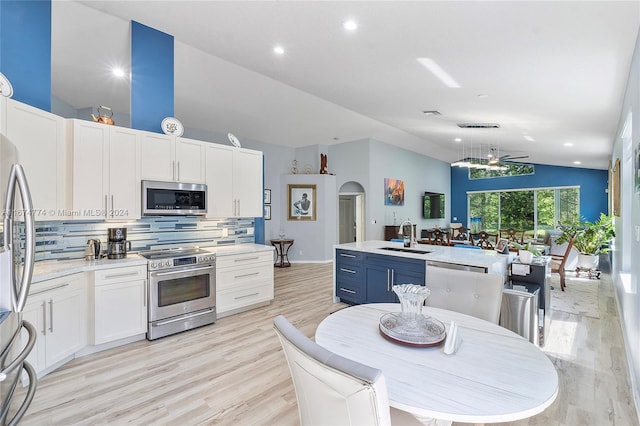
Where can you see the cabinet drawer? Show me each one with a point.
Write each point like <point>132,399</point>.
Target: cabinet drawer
<point>347,272</point>
<point>66,282</point>
<point>228,278</point>
<point>234,299</point>
<point>118,275</point>
<point>351,291</point>
<point>244,259</point>
<point>349,256</point>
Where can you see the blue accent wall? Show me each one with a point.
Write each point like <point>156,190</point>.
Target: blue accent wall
<point>593,184</point>
<point>259,221</point>
<point>25,50</point>
<point>152,87</point>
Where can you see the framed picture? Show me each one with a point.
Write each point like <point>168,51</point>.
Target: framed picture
<point>393,192</point>
<point>502,246</point>
<point>301,201</point>
<point>267,212</point>
<point>267,196</point>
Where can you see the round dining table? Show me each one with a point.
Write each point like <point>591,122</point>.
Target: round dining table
<point>493,376</point>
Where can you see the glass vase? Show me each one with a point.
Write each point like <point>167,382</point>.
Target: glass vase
<point>412,297</point>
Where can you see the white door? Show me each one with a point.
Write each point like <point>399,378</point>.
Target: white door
<point>247,183</point>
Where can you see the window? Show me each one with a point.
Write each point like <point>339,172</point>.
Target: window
<point>505,169</point>
<point>532,210</point>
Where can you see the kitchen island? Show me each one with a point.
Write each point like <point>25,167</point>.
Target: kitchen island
<point>364,272</point>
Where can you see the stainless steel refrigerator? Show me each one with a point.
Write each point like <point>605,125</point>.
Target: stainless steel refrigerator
<point>16,269</point>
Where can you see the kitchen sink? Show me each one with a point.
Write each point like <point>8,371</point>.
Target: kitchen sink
<point>405,250</point>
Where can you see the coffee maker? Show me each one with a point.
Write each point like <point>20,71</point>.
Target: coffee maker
<point>117,245</point>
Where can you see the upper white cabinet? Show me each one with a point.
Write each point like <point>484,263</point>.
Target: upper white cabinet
<point>106,181</point>
<point>170,158</point>
<point>39,137</point>
<point>234,182</point>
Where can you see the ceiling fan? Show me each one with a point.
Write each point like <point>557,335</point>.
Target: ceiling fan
<point>495,158</point>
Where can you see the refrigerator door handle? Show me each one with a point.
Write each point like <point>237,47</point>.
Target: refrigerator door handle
<point>18,178</point>
<point>31,373</point>
<point>25,351</point>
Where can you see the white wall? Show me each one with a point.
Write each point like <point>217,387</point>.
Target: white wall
<point>627,278</point>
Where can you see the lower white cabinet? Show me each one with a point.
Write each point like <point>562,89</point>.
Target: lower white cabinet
<point>243,281</point>
<point>119,303</point>
<point>57,308</point>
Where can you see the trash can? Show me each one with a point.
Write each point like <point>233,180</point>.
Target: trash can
<point>519,310</point>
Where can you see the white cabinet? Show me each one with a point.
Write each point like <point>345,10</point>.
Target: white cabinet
<point>39,137</point>
<point>234,182</point>
<point>119,303</point>
<point>57,308</point>
<point>106,181</point>
<point>170,158</point>
<point>243,281</point>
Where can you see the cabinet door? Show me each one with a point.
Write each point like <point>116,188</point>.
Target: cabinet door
<point>39,137</point>
<point>156,156</point>
<point>120,311</point>
<point>124,178</point>
<point>190,161</point>
<point>378,284</point>
<point>65,324</point>
<point>219,173</point>
<point>247,183</point>
<point>90,169</point>
<point>35,312</point>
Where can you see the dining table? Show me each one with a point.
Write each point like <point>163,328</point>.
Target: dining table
<point>494,375</point>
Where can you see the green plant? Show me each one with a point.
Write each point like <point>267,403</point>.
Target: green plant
<point>591,238</point>
<point>528,247</point>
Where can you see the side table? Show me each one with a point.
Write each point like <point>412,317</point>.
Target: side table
<point>282,252</point>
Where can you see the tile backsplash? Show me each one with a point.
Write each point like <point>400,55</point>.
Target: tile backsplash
<point>68,239</point>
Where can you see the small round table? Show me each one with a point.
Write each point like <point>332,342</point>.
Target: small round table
<point>282,252</point>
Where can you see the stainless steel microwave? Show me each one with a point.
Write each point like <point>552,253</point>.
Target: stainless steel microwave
<point>173,198</point>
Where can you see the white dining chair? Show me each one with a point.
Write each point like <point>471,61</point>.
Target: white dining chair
<point>333,390</point>
<point>472,293</point>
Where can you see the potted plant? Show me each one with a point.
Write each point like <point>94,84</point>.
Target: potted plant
<point>526,252</point>
<point>591,238</point>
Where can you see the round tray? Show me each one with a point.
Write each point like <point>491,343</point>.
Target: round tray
<point>428,332</point>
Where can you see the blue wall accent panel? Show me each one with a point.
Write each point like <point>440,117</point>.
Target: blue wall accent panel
<point>25,50</point>
<point>593,184</point>
<point>152,88</point>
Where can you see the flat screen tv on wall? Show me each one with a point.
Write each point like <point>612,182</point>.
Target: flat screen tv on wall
<point>433,205</point>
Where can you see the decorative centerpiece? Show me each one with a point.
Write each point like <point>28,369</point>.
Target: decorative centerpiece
<point>410,327</point>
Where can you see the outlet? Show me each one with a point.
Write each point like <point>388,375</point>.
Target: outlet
<point>638,233</point>
<point>300,253</point>
<point>250,231</point>
<point>455,219</point>
<point>225,232</point>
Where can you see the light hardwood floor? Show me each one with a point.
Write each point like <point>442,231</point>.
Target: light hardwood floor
<point>234,373</point>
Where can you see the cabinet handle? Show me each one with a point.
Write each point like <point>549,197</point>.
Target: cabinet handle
<point>44,318</point>
<point>173,170</point>
<point>112,205</point>
<point>106,205</point>
<point>393,279</point>
<point>48,289</point>
<point>247,275</point>
<point>347,255</point>
<point>123,274</point>
<point>351,271</point>
<point>388,272</point>
<point>247,295</point>
<point>346,290</point>
<point>239,207</point>
<point>246,258</point>
<point>178,163</point>
<point>51,315</point>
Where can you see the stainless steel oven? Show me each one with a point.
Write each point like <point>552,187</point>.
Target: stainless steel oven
<point>182,290</point>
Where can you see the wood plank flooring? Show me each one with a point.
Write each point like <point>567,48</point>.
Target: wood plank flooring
<point>234,373</point>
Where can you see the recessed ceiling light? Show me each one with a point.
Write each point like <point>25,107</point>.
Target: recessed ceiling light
<point>568,144</point>
<point>118,72</point>
<point>439,72</point>
<point>278,50</point>
<point>457,140</point>
<point>577,162</point>
<point>529,138</point>
<point>350,25</point>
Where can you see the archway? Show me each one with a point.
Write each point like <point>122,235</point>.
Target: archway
<point>351,216</point>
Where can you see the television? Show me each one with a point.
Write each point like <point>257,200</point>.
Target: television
<point>433,205</point>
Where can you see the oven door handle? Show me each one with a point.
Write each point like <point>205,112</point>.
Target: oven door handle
<point>181,271</point>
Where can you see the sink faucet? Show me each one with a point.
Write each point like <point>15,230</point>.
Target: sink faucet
<point>401,231</point>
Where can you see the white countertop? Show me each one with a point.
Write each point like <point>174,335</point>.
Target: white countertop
<point>49,269</point>
<point>494,262</point>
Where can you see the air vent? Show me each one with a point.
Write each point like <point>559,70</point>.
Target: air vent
<point>479,125</point>
<point>432,112</point>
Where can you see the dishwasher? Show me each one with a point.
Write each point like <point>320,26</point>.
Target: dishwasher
<point>519,310</point>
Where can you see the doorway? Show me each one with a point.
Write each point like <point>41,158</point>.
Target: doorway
<point>351,213</point>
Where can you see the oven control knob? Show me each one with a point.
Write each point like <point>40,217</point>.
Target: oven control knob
<point>153,264</point>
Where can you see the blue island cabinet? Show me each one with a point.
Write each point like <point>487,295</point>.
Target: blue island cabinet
<point>383,272</point>
<point>349,276</point>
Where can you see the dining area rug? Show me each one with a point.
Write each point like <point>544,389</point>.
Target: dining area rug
<point>580,295</point>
